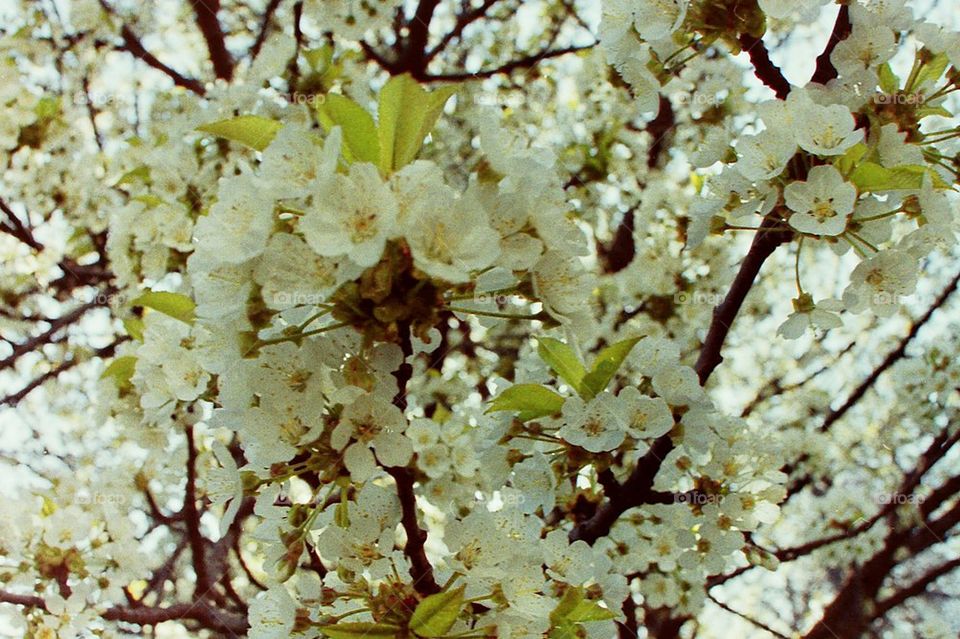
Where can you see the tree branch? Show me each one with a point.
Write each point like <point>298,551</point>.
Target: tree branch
<point>132,44</point>
<point>764,68</point>
<point>206,14</point>
<point>522,63</point>
<point>207,616</point>
<point>268,13</point>
<point>825,71</point>
<point>420,569</point>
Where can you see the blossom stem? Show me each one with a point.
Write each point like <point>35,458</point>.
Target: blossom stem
<point>300,335</point>
<point>796,266</point>
<point>460,309</point>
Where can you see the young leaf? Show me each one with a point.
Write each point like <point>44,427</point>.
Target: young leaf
<point>587,610</point>
<point>250,130</point>
<point>574,608</point>
<point>869,176</point>
<point>563,361</point>
<point>407,113</point>
<point>847,162</point>
<point>359,131</point>
<point>134,327</point>
<point>606,365</point>
<point>889,81</point>
<point>121,370</point>
<point>931,71</point>
<point>361,630</point>
<point>175,305</point>
<point>529,401</point>
<point>436,614</point>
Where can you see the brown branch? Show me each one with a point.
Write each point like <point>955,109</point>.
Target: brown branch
<point>915,588</point>
<point>825,71</point>
<point>53,373</point>
<point>747,618</point>
<point>14,227</point>
<point>860,391</point>
<point>265,22</point>
<point>208,617</point>
<point>764,68</point>
<point>420,569</point>
<point>638,488</point>
<point>414,57</point>
<point>521,63</point>
<point>56,325</point>
<point>770,235</point>
<point>133,45</point>
<point>464,20</point>
<point>206,15</point>
<point>191,518</point>
<point>892,357</point>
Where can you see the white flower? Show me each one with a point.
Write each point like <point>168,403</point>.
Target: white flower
<point>223,485</point>
<point>534,480</point>
<point>823,130</point>
<point>879,281</point>
<point>238,225</point>
<point>449,236</point>
<point>291,274</point>
<point>647,417</point>
<point>562,284</point>
<point>806,314</point>
<point>296,161</point>
<point>678,385</point>
<point>372,422</point>
<point>766,154</point>
<point>272,614</point>
<point>596,426</point>
<point>821,204</point>
<point>646,86</point>
<point>657,19</point>
<point>353,215</point>
<point>867,47</point>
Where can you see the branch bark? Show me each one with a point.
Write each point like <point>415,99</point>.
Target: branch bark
<point>206,15</point>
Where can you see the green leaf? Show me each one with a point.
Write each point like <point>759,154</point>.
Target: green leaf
<point>142,172</point>
<point>134,327</point>
<point>407,113</point>
<point>436,614</point>
<point>563,361</point>
<point>606,365</point>
<point>570,600</point>
<point>931,71</point>
<point>889,82</point>
<point>929,110</point>
<point>175,305</point>
<point>587,610</point>
<point>574,608</point>
<point>250,130</point>
<point>359,131</point>
<point>847,162</point>
<point>869,177</point>
<point>361,630</point>
<point>529,400</point>
<point>121,370</point>
<point>320,58</point>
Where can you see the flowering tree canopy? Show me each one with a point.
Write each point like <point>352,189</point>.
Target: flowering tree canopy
<point>479,318</point>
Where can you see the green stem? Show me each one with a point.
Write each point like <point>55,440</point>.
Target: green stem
<point>460,309</point>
